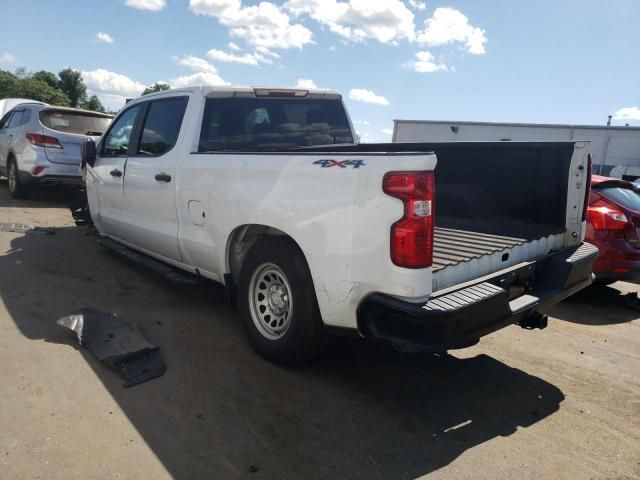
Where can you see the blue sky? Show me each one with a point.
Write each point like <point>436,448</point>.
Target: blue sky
<point>569,61</point>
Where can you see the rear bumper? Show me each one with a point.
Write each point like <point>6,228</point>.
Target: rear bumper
<point>50,179</point>
<point>459,318</point>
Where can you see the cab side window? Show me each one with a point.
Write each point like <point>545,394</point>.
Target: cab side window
<point>116,141</point>
<point>4,123</point>
<point>162,125</point>
<point>16,119</point>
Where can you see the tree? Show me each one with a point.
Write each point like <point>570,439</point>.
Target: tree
<point>156,87</point>
<point>47,77</point>
<point>93,103</point>
<point>72,85</point>
<point>10,85</point>
<point>43,92</point>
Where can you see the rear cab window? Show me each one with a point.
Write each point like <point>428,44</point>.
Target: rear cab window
<point>255,123</point>
<point>80,123</point>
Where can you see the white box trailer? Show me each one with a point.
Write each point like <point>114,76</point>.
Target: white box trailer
<point>615,150</point>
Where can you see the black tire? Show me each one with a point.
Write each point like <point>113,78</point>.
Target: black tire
<point>16,188</point>
<point>305,336</point>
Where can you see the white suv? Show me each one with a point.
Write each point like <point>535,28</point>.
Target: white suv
<point>40,144</point>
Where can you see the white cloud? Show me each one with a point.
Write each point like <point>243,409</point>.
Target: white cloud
<point>104,37</point>
<point>7,58</point>
<point>262,25</point>
<point>424,63</point>
<point>385,21</point>
<point>194,63</point>
<point>206,74</point>
<point>151,5</point>
<point>305,83</point>
<point>245,58</point>
<point>362,122</point>
<point>234,46</point>
<point>448,25</point>
<point>416,5</point>
<point>111,87</point>
<point>196,79</point>
<point>627,113</point>
<point>367,96</point>
<point>387,131</point>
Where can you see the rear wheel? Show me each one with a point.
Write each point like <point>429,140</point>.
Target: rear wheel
<point>16,187</point>
<point>277,303</point>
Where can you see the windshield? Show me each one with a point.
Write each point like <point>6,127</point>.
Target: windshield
<point>626,197</point>
<point>74,122</point>
<point>255,123</point>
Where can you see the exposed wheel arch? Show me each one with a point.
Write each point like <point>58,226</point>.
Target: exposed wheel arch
<point>242,238</point>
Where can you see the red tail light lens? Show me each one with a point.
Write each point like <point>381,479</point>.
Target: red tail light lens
<point>587,188</point>
<point>43,140</point>
<point>604,217</point>
<point>412,235</point>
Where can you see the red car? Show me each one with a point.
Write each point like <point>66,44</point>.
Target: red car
<point>613,223</point>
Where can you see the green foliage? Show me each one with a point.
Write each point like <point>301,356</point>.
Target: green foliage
<point>156,87</point>
<point>93,103</point>
<point>10,85</point>
<point>43,92</point>
<point>47,77</point>
<point>72,85</point>
<point>66,90</point>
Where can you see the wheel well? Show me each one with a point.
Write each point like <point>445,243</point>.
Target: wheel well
<point>242,239</point>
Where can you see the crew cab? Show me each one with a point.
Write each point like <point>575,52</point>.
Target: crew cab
<point>422,246</point>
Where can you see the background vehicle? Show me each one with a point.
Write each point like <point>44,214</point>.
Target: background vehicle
<point>7,104</point>
<point>263,190</point>
<point>40,144</point>
<point>613,223</point>
<point>615,150</point>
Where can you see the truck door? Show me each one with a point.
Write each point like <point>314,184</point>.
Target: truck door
<point>149,184</point>
<point>5,139</point>
<point>107,174</point>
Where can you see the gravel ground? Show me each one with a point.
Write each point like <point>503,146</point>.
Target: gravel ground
<point>561,403</point>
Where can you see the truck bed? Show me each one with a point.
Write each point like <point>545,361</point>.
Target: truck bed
<point>474,249</point>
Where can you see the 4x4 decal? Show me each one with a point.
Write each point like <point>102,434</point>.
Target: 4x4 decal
<point>327,163</point>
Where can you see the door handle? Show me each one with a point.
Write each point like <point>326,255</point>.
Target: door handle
<point>163,177</point>
<point>115,173</point>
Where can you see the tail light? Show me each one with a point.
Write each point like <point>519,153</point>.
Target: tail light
<point>587,188</point>
<point>412,235</point>
<point>605,217</point>
<point>40,140</point>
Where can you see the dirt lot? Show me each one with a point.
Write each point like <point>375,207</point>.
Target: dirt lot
<point>559,403</point>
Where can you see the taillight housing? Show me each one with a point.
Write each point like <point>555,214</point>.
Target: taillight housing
<point>604,216</point>
<point>412,235</point>
<point>587,188</point>
<point>40,140</point>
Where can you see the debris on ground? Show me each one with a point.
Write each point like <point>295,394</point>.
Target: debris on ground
<point>116,343</point>
<point>22,228</point>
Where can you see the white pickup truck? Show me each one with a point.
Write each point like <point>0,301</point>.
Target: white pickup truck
<point>422,246</point>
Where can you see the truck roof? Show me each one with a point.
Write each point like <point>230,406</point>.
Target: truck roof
<point>230,89</point>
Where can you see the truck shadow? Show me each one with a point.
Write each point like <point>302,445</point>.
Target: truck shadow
<point>360,411</point>
<point>595,305</point>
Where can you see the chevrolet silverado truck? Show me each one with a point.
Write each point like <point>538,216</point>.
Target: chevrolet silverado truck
<point>421,246</point>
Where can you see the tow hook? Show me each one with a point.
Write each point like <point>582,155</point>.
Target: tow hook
<point>534,320</point>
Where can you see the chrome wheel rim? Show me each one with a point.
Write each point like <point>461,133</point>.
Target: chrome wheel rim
<point>270,301</point>
<point>12,177</point>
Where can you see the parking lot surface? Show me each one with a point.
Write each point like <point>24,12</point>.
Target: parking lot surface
<point>561,403</point>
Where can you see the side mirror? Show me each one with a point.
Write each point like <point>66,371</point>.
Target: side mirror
<point>88,153</point>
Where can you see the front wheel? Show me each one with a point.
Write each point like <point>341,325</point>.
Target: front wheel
<point>277,303</point>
